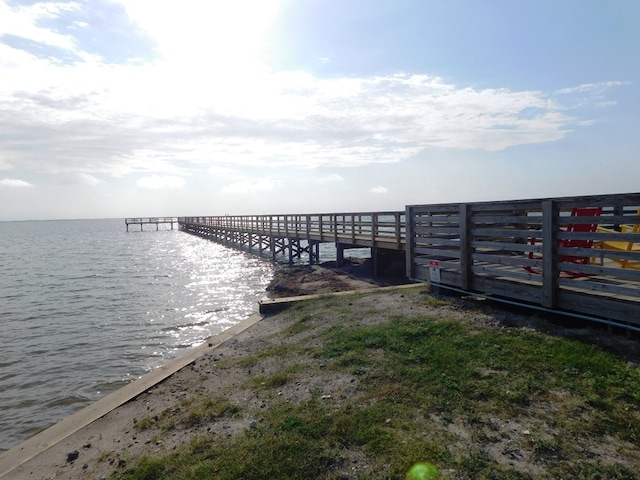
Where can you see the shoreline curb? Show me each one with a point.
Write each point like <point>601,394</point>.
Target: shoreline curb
<point>270,306</point>
<point>30,448</point>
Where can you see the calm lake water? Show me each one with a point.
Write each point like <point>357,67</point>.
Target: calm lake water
<point>86,307</point>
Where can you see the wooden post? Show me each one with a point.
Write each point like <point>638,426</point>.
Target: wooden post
<point>374,228</point>
<point>353,229</point>
<point>374,258</point>
<point>409,223</point>
<point>286,228</point>
<point>549,257</point>
<point>339,254</point>
<point>290,250</point>
<point>465,247</point>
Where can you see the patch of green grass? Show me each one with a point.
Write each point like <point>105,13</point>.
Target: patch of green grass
<point>205,410</point>
<point>274,381</point>
<point>590,470</point>
<point>144,424</point>
<point>264,454</point>
<point>304,323</point>
<point>433,302</point>
<point>282,350</point>
<point>410,370</point>
<point>148,469</point>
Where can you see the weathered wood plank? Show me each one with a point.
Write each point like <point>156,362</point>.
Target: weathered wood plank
<point>436,253</point>
<point>610,308</point>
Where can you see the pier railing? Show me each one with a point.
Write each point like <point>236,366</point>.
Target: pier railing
<point>150,220</point>
<point>138,220</point>
<point>367,229</point>
<point>578,254</point>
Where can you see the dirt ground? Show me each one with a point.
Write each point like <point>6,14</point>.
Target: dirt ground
<point>353,274</point>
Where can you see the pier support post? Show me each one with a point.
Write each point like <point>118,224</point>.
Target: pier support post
<point>339,254</point>
<point>376,261</point>
<point>291,252</point>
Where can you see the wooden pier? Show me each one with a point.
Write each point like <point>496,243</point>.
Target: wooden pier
<point>150,221</point>
<point>297,236</point>
<point>578,255</point>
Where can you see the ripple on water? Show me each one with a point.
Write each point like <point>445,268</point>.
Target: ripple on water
<point>90,308</point>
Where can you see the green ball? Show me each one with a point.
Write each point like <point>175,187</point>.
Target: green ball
<point>423,471</point>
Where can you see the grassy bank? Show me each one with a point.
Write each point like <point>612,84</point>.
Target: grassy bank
<point>365,386</point>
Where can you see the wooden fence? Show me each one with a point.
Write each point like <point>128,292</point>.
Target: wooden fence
<point>578,254</point>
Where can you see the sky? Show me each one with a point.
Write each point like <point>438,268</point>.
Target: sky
<point>125,108</point>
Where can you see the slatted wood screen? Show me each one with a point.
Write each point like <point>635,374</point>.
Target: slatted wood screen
<point>549,252</point>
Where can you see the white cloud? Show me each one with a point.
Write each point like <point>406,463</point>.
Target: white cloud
<point>589,95</point>
<point>333,178</point>
<point>379,190</point>
<point>247,186</point>
<point>224,172</point>
<point>21,21</point>
<point>125,119</point>
<point>229,34</point>
<point>14,183</point>
<point>87,179</point>
<point>592,87</point>
<point>199,106</point>
<point>159,181</point>
<point>80,179</point>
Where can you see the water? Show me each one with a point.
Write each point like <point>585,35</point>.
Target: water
<point>86,307</point>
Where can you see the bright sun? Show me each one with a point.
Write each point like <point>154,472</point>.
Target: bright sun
<point>213,30</point>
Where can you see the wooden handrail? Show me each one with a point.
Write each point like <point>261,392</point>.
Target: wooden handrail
<point>383,226</point>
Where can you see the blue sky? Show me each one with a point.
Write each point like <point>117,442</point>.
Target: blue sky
<point>114,108</point>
